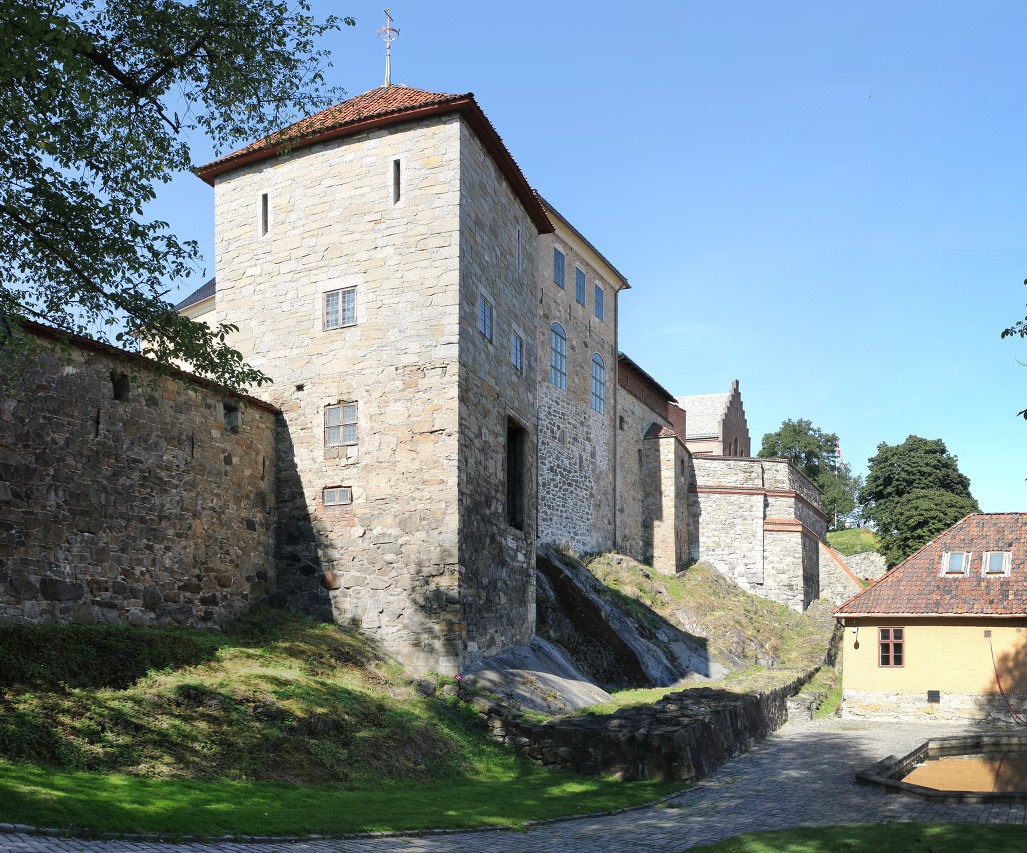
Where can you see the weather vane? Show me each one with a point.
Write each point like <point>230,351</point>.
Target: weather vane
<point>388,34</point>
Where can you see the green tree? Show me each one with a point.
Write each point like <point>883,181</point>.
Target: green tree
<point>814,453</point>
<point>97,101</point>
<point>914,491</point>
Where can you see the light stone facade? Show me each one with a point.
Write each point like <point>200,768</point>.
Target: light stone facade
<point>759,522</point>
<point>422,557</point>
<point>577,444</point>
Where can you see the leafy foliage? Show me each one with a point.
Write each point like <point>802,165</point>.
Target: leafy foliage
<point>813,452</point>
<point>1018,329</point>
<point>96,99</point>
<point>913,492</point>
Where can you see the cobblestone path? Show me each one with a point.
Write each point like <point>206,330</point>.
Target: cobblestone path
<point>800,776</point>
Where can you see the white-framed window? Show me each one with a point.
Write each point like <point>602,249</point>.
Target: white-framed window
<point>558,268</point>
<point>337,495</point>
<point>485,316</point>
<point>340,308</point>
<point>598,384</point>
<point>600,295</point>
<point>558,356</point>
<point>955,563</point>
<point>341,424</point>
<point>517,351</point>
<point>996,563</point>
<point>579,285</point>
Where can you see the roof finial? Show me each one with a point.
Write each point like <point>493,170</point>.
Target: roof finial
<point>388,34</point>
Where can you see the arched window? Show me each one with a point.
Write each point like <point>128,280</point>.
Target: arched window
<point>598,383</point>
<point>558,356</point>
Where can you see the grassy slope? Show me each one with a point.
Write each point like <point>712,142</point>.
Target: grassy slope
<point>766,644</point>
<point>227,732</point>
<point>857,540</point>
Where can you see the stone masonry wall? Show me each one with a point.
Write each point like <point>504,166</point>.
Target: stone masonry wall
<point>137,507</point>
<point>639,496</point>
<point>576,443</point>
<point>496,558</point>
<point>759,522</point>
<point>389,561</point>
<point>985,708</point>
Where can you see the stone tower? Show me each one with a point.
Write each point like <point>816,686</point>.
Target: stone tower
<point>379,261</point>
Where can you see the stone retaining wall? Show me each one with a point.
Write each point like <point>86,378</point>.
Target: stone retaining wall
<point>130,498</point>
<point>953,708</point>
<point>683,737</point>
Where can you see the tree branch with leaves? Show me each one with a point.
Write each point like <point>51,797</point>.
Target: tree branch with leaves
<point>97,102</point>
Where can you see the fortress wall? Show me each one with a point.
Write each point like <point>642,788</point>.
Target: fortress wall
<point>145,508</point>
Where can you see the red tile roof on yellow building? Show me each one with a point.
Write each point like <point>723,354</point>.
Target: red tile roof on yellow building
<point>382,107</point>
<point>918,587</point>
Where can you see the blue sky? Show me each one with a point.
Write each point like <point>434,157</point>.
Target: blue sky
<point>826,201</point>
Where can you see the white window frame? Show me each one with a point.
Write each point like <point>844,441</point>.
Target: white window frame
<point>346,419</point>
<point>945,564</point>
<point>324,308</point>
<point>1006,564</point>
<point>337,495</point>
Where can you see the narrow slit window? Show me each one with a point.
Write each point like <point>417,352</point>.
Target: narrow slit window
<point>600,295</point>
<point>265,214</point>
<point>396,186</point>
<point>516,441</point>
<point>518,248</point>
<point>517,351</point>
<point>579,286</point>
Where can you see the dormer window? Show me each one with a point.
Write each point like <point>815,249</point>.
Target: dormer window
<point>996,563</point>
<point>955,563</point>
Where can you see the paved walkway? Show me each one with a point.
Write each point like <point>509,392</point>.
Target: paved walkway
<point>800,776</point>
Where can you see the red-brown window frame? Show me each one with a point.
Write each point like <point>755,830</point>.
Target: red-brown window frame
<point>886,639</point>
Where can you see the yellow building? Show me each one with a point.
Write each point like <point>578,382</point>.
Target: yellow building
<point>943,634</point>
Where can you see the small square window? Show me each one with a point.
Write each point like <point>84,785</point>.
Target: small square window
<point>996,563</point>
<point>579,285</point>
<point>891,647</point>
<point>516,351</point>
<point>341,425</point>
<point>558,265</point>
<point>599,302</point>
<point>955,563</point>
<point>340,308</point>
<point>485,317</point>
<point>338,495</point>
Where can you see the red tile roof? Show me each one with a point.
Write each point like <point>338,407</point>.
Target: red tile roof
<point>918,588</point>
<point>382,107</point>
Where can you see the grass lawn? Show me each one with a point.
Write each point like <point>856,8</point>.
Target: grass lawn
<point>274,726</point>
<point>879,838</point>
<point>857,540</point>
<point>507,796</point>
